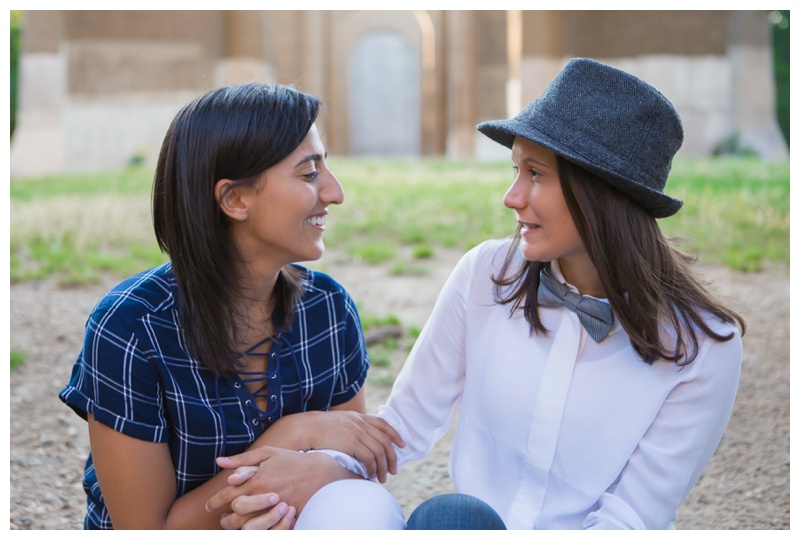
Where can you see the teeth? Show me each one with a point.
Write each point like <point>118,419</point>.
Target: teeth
<point>319,221</point>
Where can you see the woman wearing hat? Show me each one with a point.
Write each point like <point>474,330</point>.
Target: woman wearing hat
<point>592,373</point>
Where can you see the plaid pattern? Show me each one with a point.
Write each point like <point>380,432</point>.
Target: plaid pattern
<point>135,375</point>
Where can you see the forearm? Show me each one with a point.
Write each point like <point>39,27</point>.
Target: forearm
<point>290,432</point>
<point>300,431</point>
<point>189,510</point>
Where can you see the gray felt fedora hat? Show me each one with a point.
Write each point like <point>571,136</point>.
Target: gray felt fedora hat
<point>607,121</point>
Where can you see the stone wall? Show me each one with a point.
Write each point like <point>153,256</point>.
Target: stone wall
<point>98,88</point>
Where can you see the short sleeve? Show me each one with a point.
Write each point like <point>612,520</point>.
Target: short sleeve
<point>354,361</point>
<point>114,381</point>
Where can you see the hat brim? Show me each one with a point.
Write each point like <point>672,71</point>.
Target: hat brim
<point>658,204</point>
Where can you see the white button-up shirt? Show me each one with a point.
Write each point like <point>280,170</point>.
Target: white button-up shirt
<point>557,431</point>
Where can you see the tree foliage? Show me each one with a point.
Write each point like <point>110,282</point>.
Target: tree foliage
<point>780,54</point>
<point>16,31</point>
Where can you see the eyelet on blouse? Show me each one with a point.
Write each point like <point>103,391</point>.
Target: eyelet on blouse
<point>255,421</point>
<point>237,384</point>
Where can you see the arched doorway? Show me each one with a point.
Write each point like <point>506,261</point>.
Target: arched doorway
<point>384,90</point>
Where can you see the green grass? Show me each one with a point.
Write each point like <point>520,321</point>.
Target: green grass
<point>736,211</point>
<point>134,181</point>
<point>370,320</point>
<point>397,212</point>
<point>18,358</point>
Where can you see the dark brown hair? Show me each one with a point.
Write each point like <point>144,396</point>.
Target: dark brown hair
<point>648,282</point>
<point>235,132</point>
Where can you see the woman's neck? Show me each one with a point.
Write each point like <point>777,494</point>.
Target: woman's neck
<point>255,305</point>
<point>581,274</point>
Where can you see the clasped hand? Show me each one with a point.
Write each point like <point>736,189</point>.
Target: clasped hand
<point>270,486</point>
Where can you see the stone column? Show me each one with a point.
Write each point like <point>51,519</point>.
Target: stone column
<point>244,55</point>
<point>542,52</point>
<point>460,83</point>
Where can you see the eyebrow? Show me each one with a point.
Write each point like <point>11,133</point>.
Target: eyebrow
<point>539,162</point>
<point>311,157</point>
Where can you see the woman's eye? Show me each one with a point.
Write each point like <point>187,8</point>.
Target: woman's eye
<point>531,172</point>
<point>312,175</point>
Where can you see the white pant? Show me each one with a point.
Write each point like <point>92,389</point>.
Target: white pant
<point>352,505</point>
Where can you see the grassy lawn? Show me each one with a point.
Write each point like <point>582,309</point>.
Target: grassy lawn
<point>74,228</point>
<point>397,213</point>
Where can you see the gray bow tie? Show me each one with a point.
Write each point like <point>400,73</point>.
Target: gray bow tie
<point>596,316</point>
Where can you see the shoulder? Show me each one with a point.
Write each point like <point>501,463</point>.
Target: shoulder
<point>726,329</point>
<point>487,257</point>
<point>715,355</point>
<point>321,291</point>
<point>320,283</point>
<point>148,292</point>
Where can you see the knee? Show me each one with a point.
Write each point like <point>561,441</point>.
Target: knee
<point>353,505</point>
<point>455,511</point>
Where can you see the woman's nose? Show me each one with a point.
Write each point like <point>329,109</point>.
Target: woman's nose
<point>332,192</point>
<point>514,197</point>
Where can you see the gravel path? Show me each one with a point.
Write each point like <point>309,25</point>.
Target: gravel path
<point>746,486</point>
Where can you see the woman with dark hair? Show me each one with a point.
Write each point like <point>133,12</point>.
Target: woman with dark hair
<point>227,346</point>
<point>592,373</point>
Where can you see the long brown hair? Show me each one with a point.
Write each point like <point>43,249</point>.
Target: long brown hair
<point>648,281</point>
<point>235,132</point>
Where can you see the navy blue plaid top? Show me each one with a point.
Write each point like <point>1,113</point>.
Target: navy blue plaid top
<point>136,375</point>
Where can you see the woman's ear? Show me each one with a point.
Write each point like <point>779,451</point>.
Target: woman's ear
<point>230,201</point>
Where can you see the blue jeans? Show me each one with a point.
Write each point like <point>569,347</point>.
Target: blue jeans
<point>455,511</point>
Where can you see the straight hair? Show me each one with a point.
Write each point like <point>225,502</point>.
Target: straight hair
<point>650,286</point>
<point>236,132</point>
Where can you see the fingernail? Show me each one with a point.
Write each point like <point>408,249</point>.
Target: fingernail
<point>274,499</point>
<point>283,508</point>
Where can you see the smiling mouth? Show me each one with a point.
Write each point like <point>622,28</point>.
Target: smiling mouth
<point>528,227</point>
<point>317,221</point>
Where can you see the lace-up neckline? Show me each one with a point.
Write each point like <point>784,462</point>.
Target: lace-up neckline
<point>250,378</point>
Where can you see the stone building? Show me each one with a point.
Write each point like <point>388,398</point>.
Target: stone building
<point>98,88</point>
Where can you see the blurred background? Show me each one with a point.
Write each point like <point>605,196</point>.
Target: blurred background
<point>92,94</point>
<point>95,90</point>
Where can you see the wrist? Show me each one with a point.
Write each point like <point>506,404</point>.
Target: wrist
<point>294,433</point>
<point>328,469</point>
<point>349,463</point>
